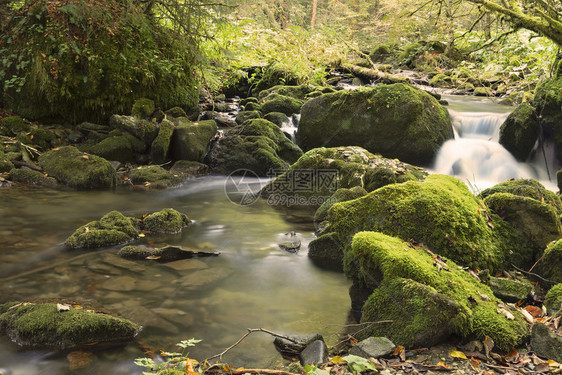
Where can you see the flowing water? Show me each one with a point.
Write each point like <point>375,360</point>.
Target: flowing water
<point>252,283</point>
<point>476,157</point>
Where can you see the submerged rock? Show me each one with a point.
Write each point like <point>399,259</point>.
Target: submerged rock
<point>113,228</point>
<point>163,254</point>
<point>62,327</point>
<point>402,122</point>
<point>77,169</point>
<point>426,300</point>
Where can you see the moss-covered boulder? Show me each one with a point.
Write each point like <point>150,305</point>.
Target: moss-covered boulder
<point>427,300</point>
<point>548,102</point>
<point>510,290</point>
<point>296,92</point>
<point>325,170</point>
<point>526,188</point>
<point>161,144</point>
<point>278,118</point>
<point>113,228</point>
<point>257,145</point>
<point>326,251</point>
<point>549,266</point>
<point>281,103</point>
<point>553,299</point>
<point>114,54</point>
<point>401,122</point>
<point>189,169</point>
<point>43,138</point>
<point>5,164</point>
<point>154,176</point>
<point>441,213</point>
<point>31,177</point>
<point>143,108</point>
<point>144,130</point>
<point>12,125</point>
<point>167,220</point>
<point>244,116</point>
<point>119,148</point>
<point>191,141</point>
<point>49,325</point>
<point>519,132</point>
<point>341,195</point>
<point>77,169</point>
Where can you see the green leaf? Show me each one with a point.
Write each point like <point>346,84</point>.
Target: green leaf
<point>357,364</point>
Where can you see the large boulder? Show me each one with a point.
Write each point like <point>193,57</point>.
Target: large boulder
<point>549,266</point>
<point>161,144</point>
<point>144,130</point>
<point>319,173</point>
<point>154,177</point>
<point>441,213</point>
<point>257,145</point>
<point>191,141</point>
<point>62,327</point>
<point>427,299</point>
<point>281,103</point>
<point>113,228</point>
<point>397,121</point>
<point>167,220</point>
<point>31,177</point>
<point>548,102</point>
<point>77,169</point>
<point>519,132</point>
<point>123,148</point>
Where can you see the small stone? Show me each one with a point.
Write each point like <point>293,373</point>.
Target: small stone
<point>546,343</point>
<point>315,353</point>
<point>292,348</point>
<point>374,347</point>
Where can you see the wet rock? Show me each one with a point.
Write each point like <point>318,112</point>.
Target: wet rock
<point>373,347</point>
<point>175,316</point>
<point>519,132</point>
<point>290,242</point>
<point>315,353</point>
<point>191,141</point>
<point>31,177</point>
<point>153,176</point>
<point>296,345</point>
<point>326,251</point>
<point>77,169</point>
<point>278,118</point>
<point>189,169</point>
<point>44,325</point>
<point>545,342</point>
<point>167,220</point>
<point>257,145</point>
<point>186,265</point>
<point>161,144</point>
<point>163,254</point>
<point>112,229</point>
<point>403,122</point>
<point>510,290</point>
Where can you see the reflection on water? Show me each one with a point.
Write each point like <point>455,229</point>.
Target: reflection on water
<point>253,283</point>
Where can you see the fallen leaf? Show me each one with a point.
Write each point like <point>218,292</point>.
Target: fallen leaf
<point>338,360</point>
<point>534,311</point>
<point>62,307</point>
<point>398,350</point>
<point>85,157</point>
<point>506,313</point>
<point>141,235</point>
<point>512,356</point>
<point>442,364</point>
<point>153,257</point>
<point>488,346</point>
<point>457,354</point>
<point>553,364</point>
<point>527,315</point>
<point>475,363</point>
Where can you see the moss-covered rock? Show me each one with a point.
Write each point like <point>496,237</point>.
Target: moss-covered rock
<point>113,228</point>
<point>548,102</point>
<point>519,132</point>
<point>553,299</point>
<point>426,302</point>
<point>77,169</point>
<point>154,176</point>
<point>5,164</point>
<point>341,195</point>
<point>163,254</point>
<point>327,252</point>
<point>441,213</point>
<point>329,169</point>
<point>278,118</point>
<point>12,125</point>
<point>482,91</point>
<point>119,148</point>
<point>143,108</point>
<point>192,141</point>
<point>31,177</point>
<point>43,137</point>
<point>281,103</point>
<point>144,130</point>
<point>189,169</point>
<point>176,112</point>
<point>257,145</point>
<point>167,220</point>
<point>161,144</point>
<point>401,122</point>
<point>244,116</point>
<point>549,266</point>
<point>510,290</point>
<point>441,80</point>
<point>251,106</point>
<point>43,325</point>
<point>526,188</point>
<point>296,92</point>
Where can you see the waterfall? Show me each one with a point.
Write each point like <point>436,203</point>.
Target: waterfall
<point>290,128</point>
<point>476,157</point>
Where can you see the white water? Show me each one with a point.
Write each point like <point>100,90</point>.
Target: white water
<point>476,157</point>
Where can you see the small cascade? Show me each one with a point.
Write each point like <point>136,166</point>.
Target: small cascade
<point>476,157</point>
<point>290,127</point>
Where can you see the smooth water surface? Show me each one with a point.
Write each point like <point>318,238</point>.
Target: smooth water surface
<point>252,283</point>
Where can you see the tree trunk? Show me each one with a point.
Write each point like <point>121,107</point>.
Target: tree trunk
<point>313,19</point>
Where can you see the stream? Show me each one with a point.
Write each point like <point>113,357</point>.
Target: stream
<point>252,283</point>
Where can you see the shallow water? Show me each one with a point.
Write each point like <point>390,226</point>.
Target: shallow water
<point>251,284</point>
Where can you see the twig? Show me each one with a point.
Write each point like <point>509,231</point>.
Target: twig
<point>260,371</point>
<point>534,275</point>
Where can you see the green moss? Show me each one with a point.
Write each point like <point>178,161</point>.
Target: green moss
<point>244,116</point>
<point>167,220</point>
<point>44,325</point>
<point>326,251</point>
<point>526,188</point>
<point>438,301</point>
<point>406,123</point>
<point>160,146</point>
<point>482,91</point>
<point>176,112</point>
<point>277,118</point>
<point>553,299</point>
<point>441,80</point>
<point>143,108</point>
<point>5,164</point>
<point>31,177</point>
<point>189,169</point>
<point>114,148</point>
<point>112,229</point>
<point>519,132</point>
<point>509,290</point>
<point>43,138</point>
<point>250,99</point>
<point>144,130</point>
<point>341,195</point>
<point>440,212</point>
<point>192,141</point>
<point>78,170</point>
<point>549,266</point>
<point>154,176</point>
<point>281,103</point>
<point>10,126</point>
<point>296,92</point>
